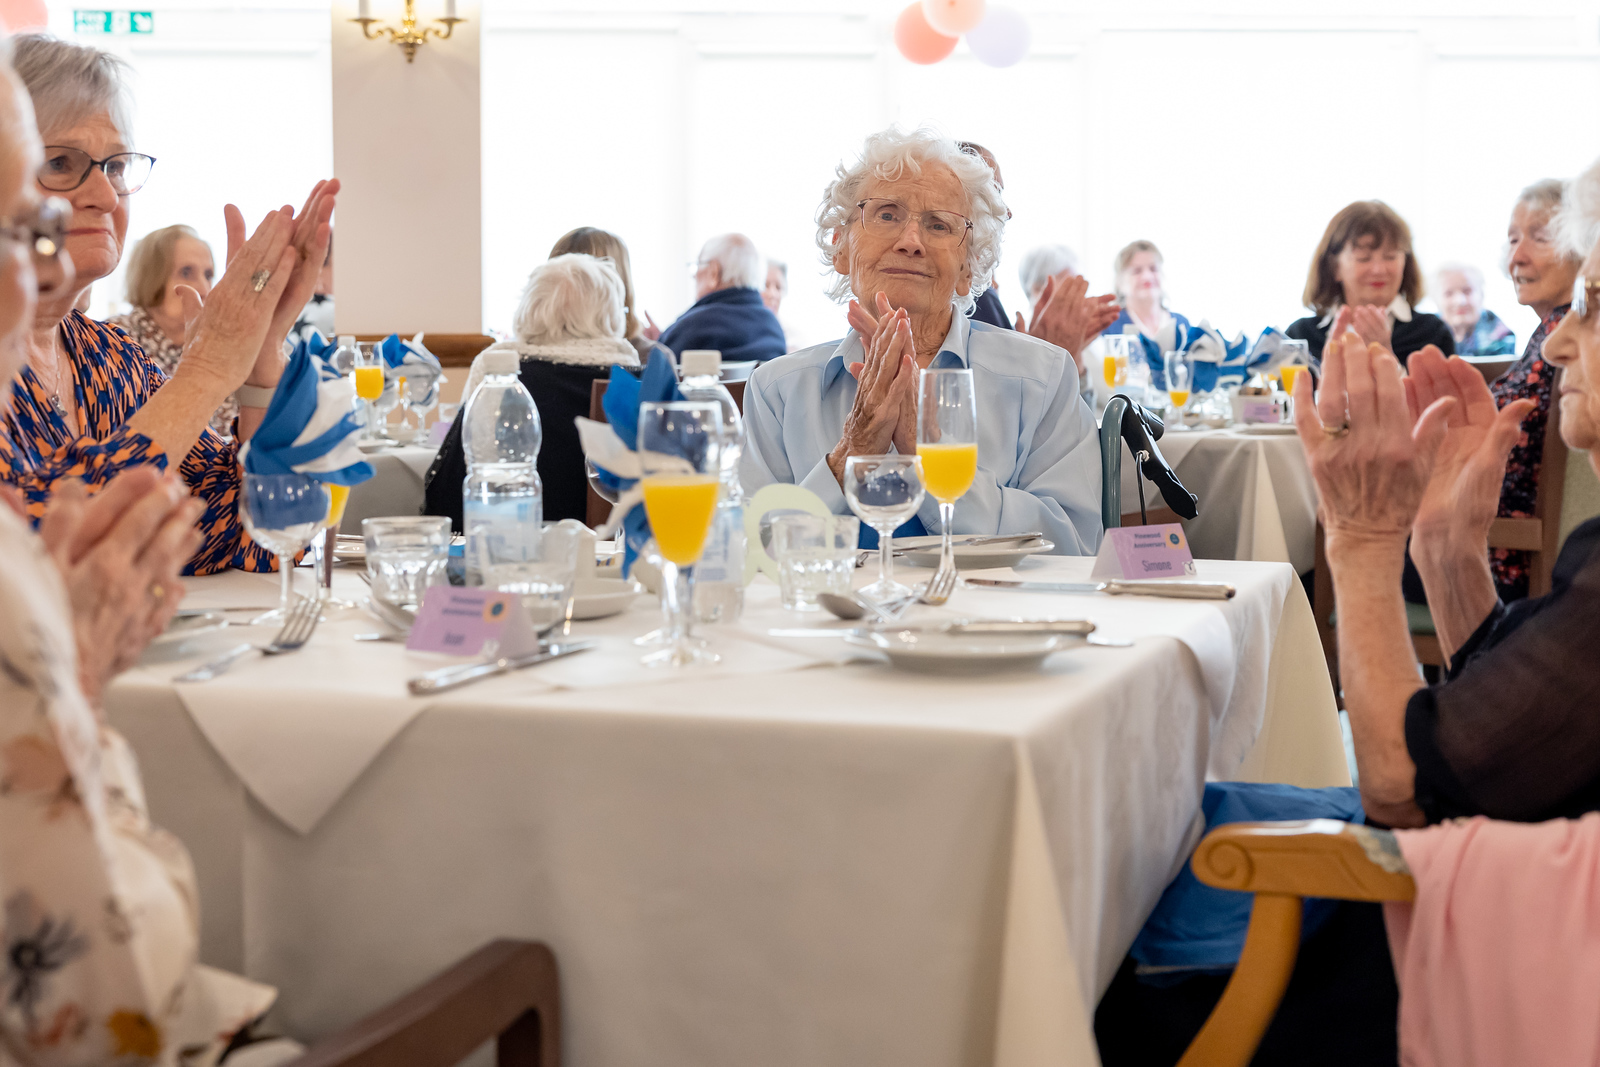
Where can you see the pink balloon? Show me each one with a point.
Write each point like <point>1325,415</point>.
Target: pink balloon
<point>918,41</point>
<point>19,15</point>
<point>1001,39</point>
<point>953,17</point>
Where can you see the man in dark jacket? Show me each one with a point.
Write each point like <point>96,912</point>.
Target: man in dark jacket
<point>728,314</point>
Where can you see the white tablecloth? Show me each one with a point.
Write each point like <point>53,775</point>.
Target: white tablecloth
<point>395,487</point>
<point>1257,498</point>
<point>795,859</point>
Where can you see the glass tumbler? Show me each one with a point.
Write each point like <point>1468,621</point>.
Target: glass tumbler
<point>815,554</point>
<point>406,555</point>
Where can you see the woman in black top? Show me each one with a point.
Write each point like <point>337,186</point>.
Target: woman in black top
<point>569,329</point>
<point>1365,262</point>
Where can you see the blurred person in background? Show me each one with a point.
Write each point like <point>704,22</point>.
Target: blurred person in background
<point>1062,312</point>
<point>1365,262</point>
<point>1477,330</point>
<point>1139,270</point>
<point>159,263</point>
<point>568,333</point>
<point>773,295</point>
<point>988,308</point>
<point>603,244</point>
<point>728,314</point>
<point>1043,263</point>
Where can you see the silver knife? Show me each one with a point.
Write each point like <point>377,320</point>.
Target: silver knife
<point>1181,589</point>
<point>451,677</point>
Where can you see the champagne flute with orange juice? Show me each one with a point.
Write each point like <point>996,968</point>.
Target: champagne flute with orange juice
<point>1179,368</point>
<point>322,546</point>
<point>680,460</point>
<point>368,378</point>
<point>947,442</point>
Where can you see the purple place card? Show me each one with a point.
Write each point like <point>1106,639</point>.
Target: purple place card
<point>1144,552</point>
<point>1258,409</point>
<point>462,622</point>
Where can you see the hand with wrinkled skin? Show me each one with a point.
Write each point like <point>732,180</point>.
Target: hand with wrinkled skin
<point>1068,318</point>
<point>886,382</point>
<point>115,551</point>
<point>866,324</point>
<point>1371,324</point>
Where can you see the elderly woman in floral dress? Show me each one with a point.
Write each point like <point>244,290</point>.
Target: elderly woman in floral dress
<point>912,231</point>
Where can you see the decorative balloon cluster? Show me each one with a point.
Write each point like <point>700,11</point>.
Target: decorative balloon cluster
<point>927,31</point>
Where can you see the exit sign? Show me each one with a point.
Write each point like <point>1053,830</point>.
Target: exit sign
<point>114,22</point>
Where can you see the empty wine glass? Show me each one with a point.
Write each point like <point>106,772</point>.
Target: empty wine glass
<point>282,513</point>
<point>419,392</point>
<point>884,491</point>
<point>680,458</point>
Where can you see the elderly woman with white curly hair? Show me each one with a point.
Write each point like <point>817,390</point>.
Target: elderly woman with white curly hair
<point>913,230</point>
<point>569,329</point>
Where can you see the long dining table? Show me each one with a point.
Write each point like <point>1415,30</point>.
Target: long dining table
<point>799,855</point>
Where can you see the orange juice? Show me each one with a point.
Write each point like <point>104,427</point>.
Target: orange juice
<point>1179,396</point>
<point>1110,370</point>
<point>680,507</point>
<point>1290,373</point>
<point>948,470</point>
<point>369,382</point>
<point>338,495</point>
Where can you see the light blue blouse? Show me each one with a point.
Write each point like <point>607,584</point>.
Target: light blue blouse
<point>1038,446</point>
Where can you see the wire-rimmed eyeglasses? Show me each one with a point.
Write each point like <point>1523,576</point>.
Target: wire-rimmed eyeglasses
<point>889,218</point>
<point>65,168</point>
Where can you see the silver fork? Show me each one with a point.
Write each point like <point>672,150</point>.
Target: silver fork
<point>943,582</point>
<point>297,630</point>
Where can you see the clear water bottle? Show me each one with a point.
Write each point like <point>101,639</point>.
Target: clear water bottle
<point>502,499</point>
<point>719,576</point>
<point>343,358</point>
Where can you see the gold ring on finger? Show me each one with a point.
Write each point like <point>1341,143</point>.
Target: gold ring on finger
<point>157,591</point>
<point>258,280</point>
<point>1340,430</point>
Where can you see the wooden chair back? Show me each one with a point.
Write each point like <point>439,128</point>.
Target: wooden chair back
<point>1281,863</point>
<point>598,509</point>
<point>453,349</point>
<point>508,990</point>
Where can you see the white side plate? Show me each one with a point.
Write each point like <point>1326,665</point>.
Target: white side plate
<point>924,552</point>
<point>939,653</point>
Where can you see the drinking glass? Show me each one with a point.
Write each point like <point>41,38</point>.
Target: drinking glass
<point>322,547</point>
<point>406,555</point>
<point>1179,367</point>
<point>282,513</point>
<point>419,392</point>
<point>544,582</point>
<point>387,401</point>
<point>680,457</point>
<point>947,442</point>
<point>884,491</point>
<point>367,375</point>
<point>815,554</point>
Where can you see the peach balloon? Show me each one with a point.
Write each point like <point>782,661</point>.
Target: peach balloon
<point>19,15</point>
<point>953,17</point>
<point>918,41</point>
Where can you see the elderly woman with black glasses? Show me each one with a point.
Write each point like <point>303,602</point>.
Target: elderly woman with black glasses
<point>913,230</point>
<point>91,403</point>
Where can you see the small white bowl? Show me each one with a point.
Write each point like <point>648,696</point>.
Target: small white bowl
<point>599,598</point>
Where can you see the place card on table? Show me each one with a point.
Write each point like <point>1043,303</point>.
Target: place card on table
<point>1144,552</point>
<point>462,622</point>
<point>1257,409</point>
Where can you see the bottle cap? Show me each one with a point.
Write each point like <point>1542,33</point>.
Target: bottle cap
<point>700,362</point>
<point>501,362</point>
<point>347,340</point>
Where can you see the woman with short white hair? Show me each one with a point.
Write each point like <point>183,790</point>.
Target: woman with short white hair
<point>912,229</point>
<point>1042,264</point>
<point>569,330</point>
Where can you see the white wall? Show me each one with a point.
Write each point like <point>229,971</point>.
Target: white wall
<point>233,101</point>
<point>1228,137</point>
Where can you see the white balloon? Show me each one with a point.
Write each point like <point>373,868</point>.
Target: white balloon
<point>1001,39</point>
<point>953,17</point>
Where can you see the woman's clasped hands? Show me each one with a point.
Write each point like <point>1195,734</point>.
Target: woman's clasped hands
<point>885,409</point>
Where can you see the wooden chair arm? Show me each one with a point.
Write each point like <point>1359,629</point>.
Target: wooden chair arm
<point>1281,862</point>
<point>1310,858</point>
<point>509,990</point>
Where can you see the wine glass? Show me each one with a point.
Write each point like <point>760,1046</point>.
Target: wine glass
<point>680,457</point>
<point>386,402</point>
<point>323,543</point>
<point>419,392</point>
<point>1179,367</point>
<point>884,491</point>
<point>368,376</point>
<point>282,513</point>
<point>947,443</point>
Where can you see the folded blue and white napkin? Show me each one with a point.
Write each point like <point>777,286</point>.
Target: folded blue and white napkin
<point>403,359</point>
<point>610,446</point>
<point>1269,352</point>
<point>309,429</point>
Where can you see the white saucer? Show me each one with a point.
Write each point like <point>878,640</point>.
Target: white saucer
<point>940,653</point>
<point>598,598</point>
<point>1266,429</point>
<point>924,552</point>
<point>183,627</point>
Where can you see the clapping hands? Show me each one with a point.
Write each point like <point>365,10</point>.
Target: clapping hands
<point>1369,322</point>
<point>1068,318</point>
<point>885,408</point>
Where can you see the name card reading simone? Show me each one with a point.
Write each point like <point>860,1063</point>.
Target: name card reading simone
<point>1144,552</point>
<point>462,622</point>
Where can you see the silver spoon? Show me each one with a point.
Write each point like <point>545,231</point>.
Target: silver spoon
<point>856,606</point>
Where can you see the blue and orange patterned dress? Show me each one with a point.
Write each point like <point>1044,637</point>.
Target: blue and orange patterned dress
<point>112,379</point>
